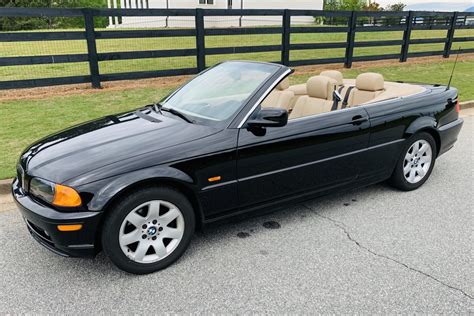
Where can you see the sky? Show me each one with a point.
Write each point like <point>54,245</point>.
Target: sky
<point>431,5</point>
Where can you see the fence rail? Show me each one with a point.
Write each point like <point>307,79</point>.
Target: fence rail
<point>406,22</point>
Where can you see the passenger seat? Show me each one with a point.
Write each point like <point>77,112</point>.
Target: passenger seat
<point>319,99</point>
<point>368,86</point>
<point>280,97</point>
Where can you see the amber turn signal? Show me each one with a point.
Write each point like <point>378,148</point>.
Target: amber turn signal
<point>69,228</point>
<point>214,179</point>
<point>66,196</point>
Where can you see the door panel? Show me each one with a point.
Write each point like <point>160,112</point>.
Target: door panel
<point>305,155</point>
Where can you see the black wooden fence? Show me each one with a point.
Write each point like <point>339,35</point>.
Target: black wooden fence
<point>405,21</point>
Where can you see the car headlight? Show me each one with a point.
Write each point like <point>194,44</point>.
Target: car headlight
<point>56,194</point>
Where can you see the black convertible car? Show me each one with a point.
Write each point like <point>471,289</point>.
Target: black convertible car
<point>235,139</point>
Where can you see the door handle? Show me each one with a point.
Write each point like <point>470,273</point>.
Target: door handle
<point>359,119</point>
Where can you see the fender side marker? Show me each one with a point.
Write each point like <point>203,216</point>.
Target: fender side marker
<point>214,179</point>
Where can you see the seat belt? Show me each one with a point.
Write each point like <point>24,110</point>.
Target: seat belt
<point>346,97</point>
<point>335,103</point>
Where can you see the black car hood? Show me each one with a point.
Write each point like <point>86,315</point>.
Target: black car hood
<point>105,141</point>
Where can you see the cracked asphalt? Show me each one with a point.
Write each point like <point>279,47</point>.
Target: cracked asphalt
<point>371,250</point>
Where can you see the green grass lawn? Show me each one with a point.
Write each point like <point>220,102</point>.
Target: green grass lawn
<point>167,43</point>
<point>24,121</point>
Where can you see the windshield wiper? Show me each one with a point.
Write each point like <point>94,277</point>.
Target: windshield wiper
<point>157,107</point>
<point>177,113</point>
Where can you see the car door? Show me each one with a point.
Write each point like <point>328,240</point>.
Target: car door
<point>308,154</point>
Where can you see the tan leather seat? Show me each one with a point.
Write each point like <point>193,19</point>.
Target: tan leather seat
<point>334,74</point>
<point>280,97</point>
<point>319,98</point>
<point>341,88</point>
<point>300,89</point>
<point>368,86</point>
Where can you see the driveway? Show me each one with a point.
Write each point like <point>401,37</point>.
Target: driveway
<point>372,250</point>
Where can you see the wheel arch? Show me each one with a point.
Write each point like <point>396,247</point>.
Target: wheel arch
<point>428,125</point>
<point>124,184</point>
<point>167,182</point>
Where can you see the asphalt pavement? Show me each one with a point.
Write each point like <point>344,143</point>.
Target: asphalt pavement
<point>372,250</point>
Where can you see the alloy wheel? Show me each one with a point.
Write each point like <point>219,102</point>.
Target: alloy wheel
<point>151,231</point>
<point>417,161</point>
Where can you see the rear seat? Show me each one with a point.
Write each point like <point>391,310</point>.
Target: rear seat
<point>334,74</point>
<point>367,87</point>
<point>319,99</point>
<point>280,97</point>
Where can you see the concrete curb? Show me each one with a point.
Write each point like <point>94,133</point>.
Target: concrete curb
<point>466,105</point>
<point>5,185</point>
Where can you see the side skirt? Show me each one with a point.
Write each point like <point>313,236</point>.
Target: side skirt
<point>281,203</point>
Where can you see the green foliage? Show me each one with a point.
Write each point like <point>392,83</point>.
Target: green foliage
<point>341,5</point>
<point>347,5</point>
<point>400,6</point>
<point>32,23</point>
<point>373,6</point>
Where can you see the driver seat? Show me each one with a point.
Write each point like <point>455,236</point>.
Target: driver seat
<point>319,99</point>
<point>280,97</point>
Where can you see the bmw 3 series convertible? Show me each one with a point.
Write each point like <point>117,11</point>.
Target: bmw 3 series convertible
<point>235,139</point>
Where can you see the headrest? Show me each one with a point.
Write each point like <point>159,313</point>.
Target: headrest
<point>370,81</point>
<point>283,85</point>
<point>321,87</point>
<point>334,74</point>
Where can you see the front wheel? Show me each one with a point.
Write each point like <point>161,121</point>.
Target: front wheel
<point>148,230</point>
<point>415,163</point>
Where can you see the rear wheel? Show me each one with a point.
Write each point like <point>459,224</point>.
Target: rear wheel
<point>416,162</point>
<point>148,230</point>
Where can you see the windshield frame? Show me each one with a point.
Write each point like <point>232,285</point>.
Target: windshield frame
<point>227,122</point>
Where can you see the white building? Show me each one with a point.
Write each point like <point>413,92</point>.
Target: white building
<point>211,21</point>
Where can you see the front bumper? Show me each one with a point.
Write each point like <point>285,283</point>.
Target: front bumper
<point>42,222</point>
<point>449,135</point>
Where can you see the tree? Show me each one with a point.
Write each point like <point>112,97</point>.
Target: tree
<point>400,6</point>
<point>344,5</point>
<point>353,5</point>
<point>373,6</point>
<point>32,23</point>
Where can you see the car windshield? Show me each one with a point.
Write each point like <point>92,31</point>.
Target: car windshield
<point>220,92</point>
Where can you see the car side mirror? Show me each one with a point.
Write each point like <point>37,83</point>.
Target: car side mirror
<point>269,117</point>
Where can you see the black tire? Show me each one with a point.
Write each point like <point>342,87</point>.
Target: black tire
<point>117,214</point>
<point>398,179</point>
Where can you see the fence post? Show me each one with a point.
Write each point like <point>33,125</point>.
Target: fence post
<point>285,40</point>
<point>450,35</point>
<point>200,41</point>
<point>91,48</point>
<point>352,23</point>
<point>406,37</point>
